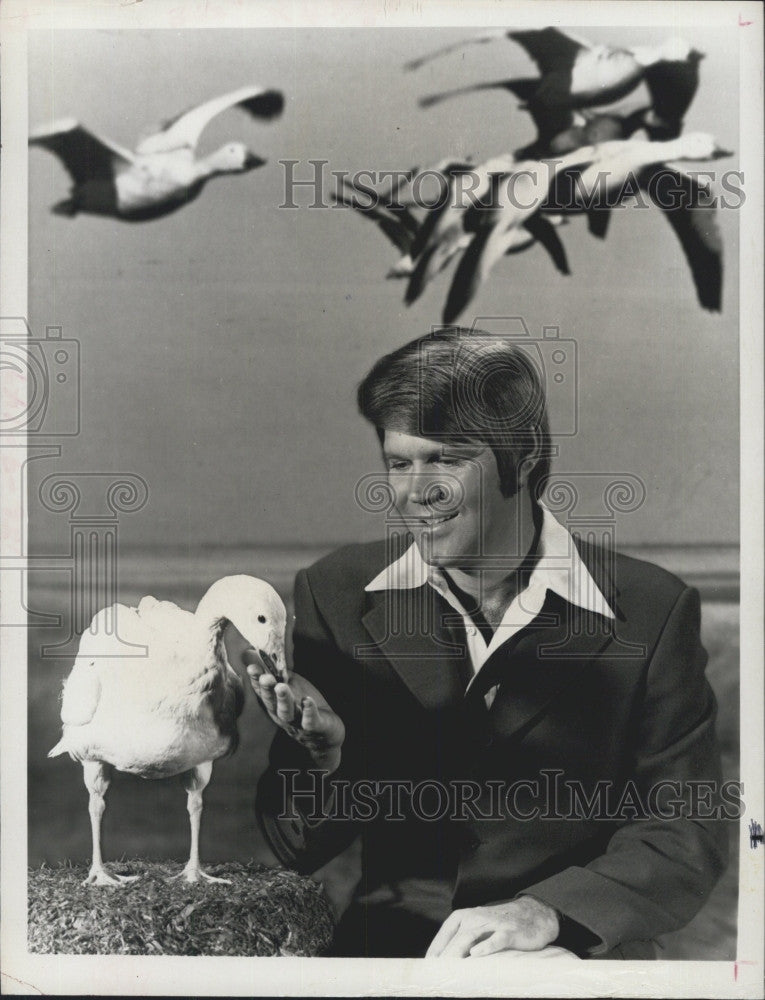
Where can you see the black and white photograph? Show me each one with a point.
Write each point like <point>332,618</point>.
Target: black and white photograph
<point>381,447</point>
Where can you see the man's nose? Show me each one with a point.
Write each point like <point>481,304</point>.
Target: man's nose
<point>427,492</point>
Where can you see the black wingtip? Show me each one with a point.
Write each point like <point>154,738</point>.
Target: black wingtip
<point>269,104</point>
<point>67,208</point>
<point>450,315</point>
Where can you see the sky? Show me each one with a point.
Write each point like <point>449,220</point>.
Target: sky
<point>221,346</point>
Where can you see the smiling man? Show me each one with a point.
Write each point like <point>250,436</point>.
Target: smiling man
<point>515,722</point>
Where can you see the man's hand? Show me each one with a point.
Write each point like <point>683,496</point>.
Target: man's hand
<point>300,710</point>
<point>524,924</point>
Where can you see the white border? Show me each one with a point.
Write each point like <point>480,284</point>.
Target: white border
<point>24,973</point>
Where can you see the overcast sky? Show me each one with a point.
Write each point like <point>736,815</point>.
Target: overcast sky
<point>222,345</point>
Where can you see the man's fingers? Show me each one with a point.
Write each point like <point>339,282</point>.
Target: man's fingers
<point>498,941</point>
<point>463,942</point>
<point>446,932</point>
<point>265,691</point>
<point>311,721</point>
<point>256,669</point>
<point>285,703</point>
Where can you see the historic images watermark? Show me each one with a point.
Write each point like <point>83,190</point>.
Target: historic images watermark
<point>309,184</point>
<point>315,796</point>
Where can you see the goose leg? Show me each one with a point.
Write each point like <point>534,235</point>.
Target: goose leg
<point>97,776</point>
<point>195,781</point>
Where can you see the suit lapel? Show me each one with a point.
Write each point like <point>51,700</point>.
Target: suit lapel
<point>408,628</point>
<point>539,665</point>
<point>600,561</point>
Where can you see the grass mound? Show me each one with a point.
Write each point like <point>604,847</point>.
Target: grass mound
<point>263,912</point>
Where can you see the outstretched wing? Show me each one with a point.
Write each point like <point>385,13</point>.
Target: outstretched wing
<point>493,226</point>
<point>398,224</point>
<point>85,156</point>
<point>545,234</point>
<point>550,48</point>
<point>672,85</point>
<point>476,263</point>
<point>482,39</point>
<point>184,130</point>
<point>694,220</point>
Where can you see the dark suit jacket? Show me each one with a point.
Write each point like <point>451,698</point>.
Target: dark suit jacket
<point>582,700</point>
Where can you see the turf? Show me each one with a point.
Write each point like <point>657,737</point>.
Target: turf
<point>263,912</point>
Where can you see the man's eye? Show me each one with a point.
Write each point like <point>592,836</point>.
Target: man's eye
<point>447,460</point>
<point>396,466</point>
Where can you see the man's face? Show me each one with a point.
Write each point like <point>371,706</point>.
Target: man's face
<point>450,498</point>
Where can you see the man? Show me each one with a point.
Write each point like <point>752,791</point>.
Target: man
<point>550,693</point>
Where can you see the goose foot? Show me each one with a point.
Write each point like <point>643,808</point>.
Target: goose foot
<point>193,873</point>
<point>100,876</point>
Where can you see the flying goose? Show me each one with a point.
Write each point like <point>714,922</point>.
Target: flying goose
<point>617,166</point>
<point>164,173</point>
<point>514,201</point>
<point>574,73</point>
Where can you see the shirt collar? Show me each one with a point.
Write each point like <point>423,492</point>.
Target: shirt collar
<point>559,568</point>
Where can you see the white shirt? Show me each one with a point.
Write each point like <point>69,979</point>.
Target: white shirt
<point>559,568</point>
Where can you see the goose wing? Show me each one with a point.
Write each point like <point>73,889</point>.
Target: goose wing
<point>164,616</point>
<point>109,632</point>
<point>598,221</point>
<point>545,233</point>
<point>398,224</point>
<point>85,155</point>
<point>183,131</point>
<point>513,85</point>
<point>481,255</point>
<point>494,225</point>
<point>447,213</point>
<point>102,643</point>
<point>694,222</point>
<point>551,123</point>
<point>482,39</point>
<point>550,48</point>
<point>672,85</point>
<point>82,692</point>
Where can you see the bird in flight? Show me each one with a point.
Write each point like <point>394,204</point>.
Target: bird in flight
<point>164,173</point>
<point>574,73</point>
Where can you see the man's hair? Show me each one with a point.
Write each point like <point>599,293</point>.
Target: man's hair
<point>461,385</point>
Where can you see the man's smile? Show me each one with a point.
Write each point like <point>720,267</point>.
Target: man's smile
<point>437,519</point>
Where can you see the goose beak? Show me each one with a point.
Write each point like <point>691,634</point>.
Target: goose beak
<point>270,665</point>
<point>252,161</point>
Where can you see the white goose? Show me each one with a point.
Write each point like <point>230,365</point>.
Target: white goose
<point>517,195</point>
<point>682,197</point>
<point>163,174</point>
<point>574,73</point>
<point>441,235</point>
<point>172,711</point>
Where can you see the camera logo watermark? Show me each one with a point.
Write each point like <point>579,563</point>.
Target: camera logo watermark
<point>40,380</point>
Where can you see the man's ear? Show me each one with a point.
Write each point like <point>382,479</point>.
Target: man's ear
<point>529,463</point>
